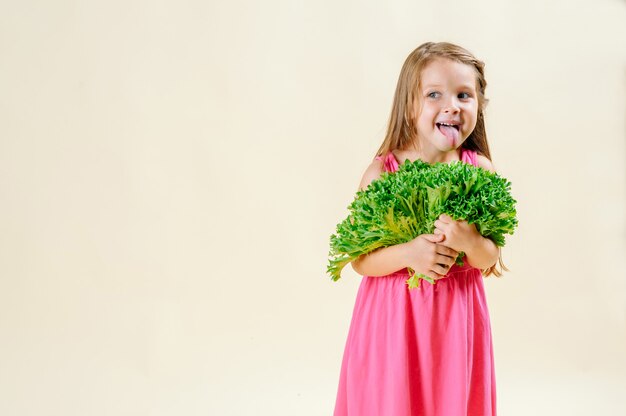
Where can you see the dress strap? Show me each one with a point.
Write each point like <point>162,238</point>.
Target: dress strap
<point>469,156</point>
<point>390,164</point>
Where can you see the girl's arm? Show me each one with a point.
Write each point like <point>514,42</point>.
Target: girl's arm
<point>483,254</point>
<point>382,261</point>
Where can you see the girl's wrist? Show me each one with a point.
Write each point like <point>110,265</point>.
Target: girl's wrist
<point>481,252</point>
<point>473,242</point>
<point>478,240</point>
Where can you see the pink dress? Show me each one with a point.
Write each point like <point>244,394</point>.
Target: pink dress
<point>425,351</point>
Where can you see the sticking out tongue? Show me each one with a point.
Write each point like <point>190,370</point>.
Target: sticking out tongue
<point>450,132</point>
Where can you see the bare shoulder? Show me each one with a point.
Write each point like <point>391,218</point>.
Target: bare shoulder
<point>373,171</point>
<point>485,163</point>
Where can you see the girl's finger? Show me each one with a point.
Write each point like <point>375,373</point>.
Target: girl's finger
<point>437,231</point>
<point>445,218</point>
<point>446,251</point>
<point>435,275</point>
<point>432,238</point>
<point>440,269</point>
<point>445,260</point>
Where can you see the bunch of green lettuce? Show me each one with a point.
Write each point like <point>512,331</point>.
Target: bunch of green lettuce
<point>399,206</point>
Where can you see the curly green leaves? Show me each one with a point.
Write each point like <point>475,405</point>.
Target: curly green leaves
<point>397,207</point>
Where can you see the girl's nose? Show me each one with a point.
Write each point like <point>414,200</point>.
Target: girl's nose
<point>451,107</point>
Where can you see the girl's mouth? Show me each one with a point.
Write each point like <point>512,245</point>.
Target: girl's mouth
<point>450,131</point>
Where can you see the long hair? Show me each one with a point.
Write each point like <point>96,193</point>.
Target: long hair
<point>402,131</point>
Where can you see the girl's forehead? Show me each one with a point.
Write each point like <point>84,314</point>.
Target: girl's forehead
<point>444,72</point>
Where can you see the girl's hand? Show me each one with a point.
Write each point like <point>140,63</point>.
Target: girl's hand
<point>426,256</point>
<point>459,235</point>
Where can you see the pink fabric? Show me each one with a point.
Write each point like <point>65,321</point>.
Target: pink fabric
<point>469,156</point>
<point>425,352</point>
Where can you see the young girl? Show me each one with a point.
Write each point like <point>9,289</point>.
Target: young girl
<point>426,351</point>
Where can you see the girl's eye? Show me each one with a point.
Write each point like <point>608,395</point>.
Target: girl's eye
<point>431,94</point>
<point>467,95</point>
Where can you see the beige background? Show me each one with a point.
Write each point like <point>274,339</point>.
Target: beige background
<point>170,174</point>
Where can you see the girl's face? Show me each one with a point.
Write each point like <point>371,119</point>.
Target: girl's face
<point>447,95</point>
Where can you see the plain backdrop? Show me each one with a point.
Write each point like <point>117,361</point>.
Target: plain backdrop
<point>171,172</point>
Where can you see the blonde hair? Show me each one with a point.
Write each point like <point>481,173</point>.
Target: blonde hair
<point>402,131</point>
